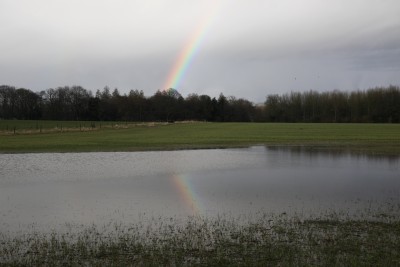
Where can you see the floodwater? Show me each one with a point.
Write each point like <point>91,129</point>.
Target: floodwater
<point>46,191</point>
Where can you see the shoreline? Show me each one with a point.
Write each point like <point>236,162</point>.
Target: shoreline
<point>337,149</point>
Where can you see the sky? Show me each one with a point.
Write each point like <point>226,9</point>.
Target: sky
<point>243,48</point>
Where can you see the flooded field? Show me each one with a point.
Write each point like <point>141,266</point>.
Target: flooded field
<point>52,191</point>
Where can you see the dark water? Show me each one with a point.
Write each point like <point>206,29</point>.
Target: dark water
<point>45,191</point>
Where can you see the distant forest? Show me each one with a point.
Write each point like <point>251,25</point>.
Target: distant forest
<point>76,103</point>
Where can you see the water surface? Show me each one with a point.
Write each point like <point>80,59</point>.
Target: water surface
<point>45,191</point>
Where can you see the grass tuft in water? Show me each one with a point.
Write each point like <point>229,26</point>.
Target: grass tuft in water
<point>265,241</point>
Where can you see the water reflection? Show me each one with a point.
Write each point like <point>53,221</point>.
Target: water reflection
<point>315,152</point>
<point>48,190</point>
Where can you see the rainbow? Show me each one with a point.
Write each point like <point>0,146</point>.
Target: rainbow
<point>177,72</point>
<point>190,49</point>
<point>187,193</point>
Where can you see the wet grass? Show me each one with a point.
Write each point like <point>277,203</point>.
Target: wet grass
<point>265,241</point>
<point>364,138</point>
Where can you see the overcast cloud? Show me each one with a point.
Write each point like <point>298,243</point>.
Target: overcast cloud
<point>252,48</point>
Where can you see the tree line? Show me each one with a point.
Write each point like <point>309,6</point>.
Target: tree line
<point>381,104</point>
<point>77,103</point>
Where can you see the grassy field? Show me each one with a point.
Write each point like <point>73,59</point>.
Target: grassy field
<point>55,136</point>
<point>269,240</point>
<point>265,241</point>
<point>35,126</point>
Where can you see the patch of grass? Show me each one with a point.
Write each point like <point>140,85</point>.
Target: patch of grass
<point>266,241</point>
<point>370,138</point>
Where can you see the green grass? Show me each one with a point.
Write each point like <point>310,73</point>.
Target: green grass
<point>114,136</point>
<point>265,241</point>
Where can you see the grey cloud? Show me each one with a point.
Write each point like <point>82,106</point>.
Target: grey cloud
<point>375,60</point>
<point>252,48</point>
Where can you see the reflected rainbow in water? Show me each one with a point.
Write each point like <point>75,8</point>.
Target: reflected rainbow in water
<point>187,193</point>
